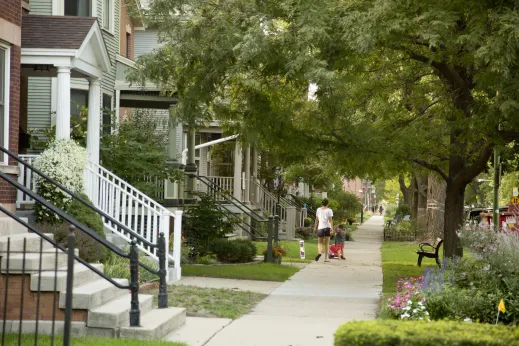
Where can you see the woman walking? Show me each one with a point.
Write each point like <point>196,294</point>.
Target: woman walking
<point>323,227</point>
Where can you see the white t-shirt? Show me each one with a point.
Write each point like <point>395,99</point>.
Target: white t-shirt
<point>324,215</point>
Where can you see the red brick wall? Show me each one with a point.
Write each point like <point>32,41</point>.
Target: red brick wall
<point>11,10</point>
<point>30,300</point>
<point>125,20</point>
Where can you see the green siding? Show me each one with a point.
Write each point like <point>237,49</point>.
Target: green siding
<point>43,7</point>
<point>39,96</point>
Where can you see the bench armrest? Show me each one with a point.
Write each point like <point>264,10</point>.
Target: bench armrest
<point>425,244</point>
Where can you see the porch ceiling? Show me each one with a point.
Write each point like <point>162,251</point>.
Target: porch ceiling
<point>66,41</point>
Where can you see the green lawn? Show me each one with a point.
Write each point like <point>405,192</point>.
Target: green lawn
<point>398,261</point>
<point>292,248</point>
<point>28,340</point>
<point>261,271</point>
<point>211,302</point>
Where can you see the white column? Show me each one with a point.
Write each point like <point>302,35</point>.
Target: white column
<point>247,175</point>
<point>237,171</point>
<point>117,108</point>
<point>94,120</point>
<point>63,103</point>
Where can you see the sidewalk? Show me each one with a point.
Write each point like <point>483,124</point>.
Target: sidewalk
<point>307,309</point>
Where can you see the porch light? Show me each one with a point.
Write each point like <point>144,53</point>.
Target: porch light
<point>41,68</point>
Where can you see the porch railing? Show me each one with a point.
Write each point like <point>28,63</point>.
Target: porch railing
<point>269,203</point>
<point>124,204</point>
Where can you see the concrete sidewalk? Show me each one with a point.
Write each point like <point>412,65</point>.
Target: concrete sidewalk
<point>307,309</point>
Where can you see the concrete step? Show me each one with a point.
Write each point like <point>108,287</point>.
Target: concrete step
<point>82,275</point>
<point>10,226</point>
<point>32,242</point>
<point>155,324</point>
<point>32,261</point>
<point>93,294</point>
<point>116,313</point>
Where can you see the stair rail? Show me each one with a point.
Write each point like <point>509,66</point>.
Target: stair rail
<point>132,255</point>
<point>127,205</point>
<point>124,209</point>
<point>216,190</point>
<point>268,202</point>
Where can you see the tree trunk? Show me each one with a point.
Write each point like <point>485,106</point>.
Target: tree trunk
<point>414,208</point>
<point>435,208</point>
<point>407,192</point>
<point>454,202</point>
<point>421,217</point>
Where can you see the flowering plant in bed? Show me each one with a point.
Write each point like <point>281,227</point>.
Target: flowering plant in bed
<point>409,302</point>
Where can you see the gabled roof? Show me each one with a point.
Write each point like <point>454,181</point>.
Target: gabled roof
<point>58,32</point>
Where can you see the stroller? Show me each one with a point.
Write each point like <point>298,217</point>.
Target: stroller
<point>333,252</point>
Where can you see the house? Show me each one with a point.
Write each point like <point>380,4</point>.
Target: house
<point>10,48</point>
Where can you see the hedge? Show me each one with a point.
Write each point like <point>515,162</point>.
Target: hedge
<point>417,333</point>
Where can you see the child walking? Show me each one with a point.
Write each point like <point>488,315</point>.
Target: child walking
<point>340,237</point>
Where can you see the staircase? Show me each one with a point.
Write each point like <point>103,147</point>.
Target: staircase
<point>35,269</point>
<point>121,204</point>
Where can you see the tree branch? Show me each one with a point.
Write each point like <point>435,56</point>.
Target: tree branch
<point>431,167</point>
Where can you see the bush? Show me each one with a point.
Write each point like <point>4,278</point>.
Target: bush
<point>305,233</point>
<point>63,161</point>
<point>119,267</point>
<point>233,251</point>
<point>89,249</point>
<point>308,221</point>
<point>207,259</point>
<point>403,210</point>
<point>394,333</point>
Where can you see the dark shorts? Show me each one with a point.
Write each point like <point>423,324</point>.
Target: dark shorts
<point>324,232</point>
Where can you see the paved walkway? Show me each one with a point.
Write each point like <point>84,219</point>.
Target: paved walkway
<point>307,309</point>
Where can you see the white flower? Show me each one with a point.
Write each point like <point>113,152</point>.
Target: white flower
<point>426,313</point>
<point>467,320</point>
<point>405,315</point>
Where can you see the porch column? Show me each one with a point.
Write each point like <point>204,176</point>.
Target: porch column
<point>94,120</point>
<point>246,199</point>
<point>63,103</point>
<point>171,188</point>
<point>237,171</point>
<point>191,165</point>
<point>254,166</point>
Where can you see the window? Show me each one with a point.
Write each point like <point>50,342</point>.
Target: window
<point>4,100</point>
<point>78,8</point>
<point>107,114</point>
<point>107,15</point>
<point>128,45</point>
<point>78,99</point>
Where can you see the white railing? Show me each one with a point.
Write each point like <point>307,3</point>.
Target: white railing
<point>268,203</point>
<point>27,179</point>
<point>125,204</point>
<point>133,209</point>
<point>226,184</point>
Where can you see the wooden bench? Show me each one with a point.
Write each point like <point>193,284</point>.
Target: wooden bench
<point>430,253</point>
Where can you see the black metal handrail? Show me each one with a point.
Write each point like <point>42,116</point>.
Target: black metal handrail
<point>132,233</point>
<point>215,187</point>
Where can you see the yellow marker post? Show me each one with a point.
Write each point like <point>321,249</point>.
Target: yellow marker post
<point>500,308</point>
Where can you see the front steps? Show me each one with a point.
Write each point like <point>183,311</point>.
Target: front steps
<point>99,307</point>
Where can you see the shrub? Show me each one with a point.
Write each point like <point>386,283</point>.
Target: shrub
<point>63,161</point>
<point>233,251</point>
<point>305,233</point>
<point>403,210</point>
<point>207,259</point>
<point>89,249</point>
<point>87,216</point>
<point>308,221</point>
<point>119,267</point>
<point>382,333</point>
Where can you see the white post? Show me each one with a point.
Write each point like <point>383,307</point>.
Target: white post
<point>247,175</point>
<point>117,108</point>
<point>165,229</point>
<point>93,137</point>
<point>63,103</point>
<point>237,171</point>
<point>177,244</point>
<point>291,222</point>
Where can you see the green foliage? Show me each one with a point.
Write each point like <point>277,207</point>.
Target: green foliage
<point>136,152</point>
<point>261,271</point>
<point>347,205</point>
<point>206,221</point>
<point>206,259</point>
<point>87,216</point>
<point>403,210</point>
<point>391,210</point>
<point>382,333</point>
<point>307,222</point>
<point>233,251</point>
<point>119,267</point>
<point>42,138</point>
<point>305,233</point>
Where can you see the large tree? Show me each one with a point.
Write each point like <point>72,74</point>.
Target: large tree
<point>400,82</point>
